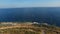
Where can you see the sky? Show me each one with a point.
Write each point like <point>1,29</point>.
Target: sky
<point>29,3</point>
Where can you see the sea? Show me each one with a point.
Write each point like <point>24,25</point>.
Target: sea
<point>50,15</point>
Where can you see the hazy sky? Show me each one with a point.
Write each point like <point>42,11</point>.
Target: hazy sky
<point>29,3</point>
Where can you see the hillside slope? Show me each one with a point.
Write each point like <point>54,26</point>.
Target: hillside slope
<point>29,28</point>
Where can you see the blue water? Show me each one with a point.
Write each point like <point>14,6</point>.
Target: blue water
<point>49,15</point>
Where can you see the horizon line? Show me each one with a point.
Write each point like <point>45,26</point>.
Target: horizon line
<point>27,7</point>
